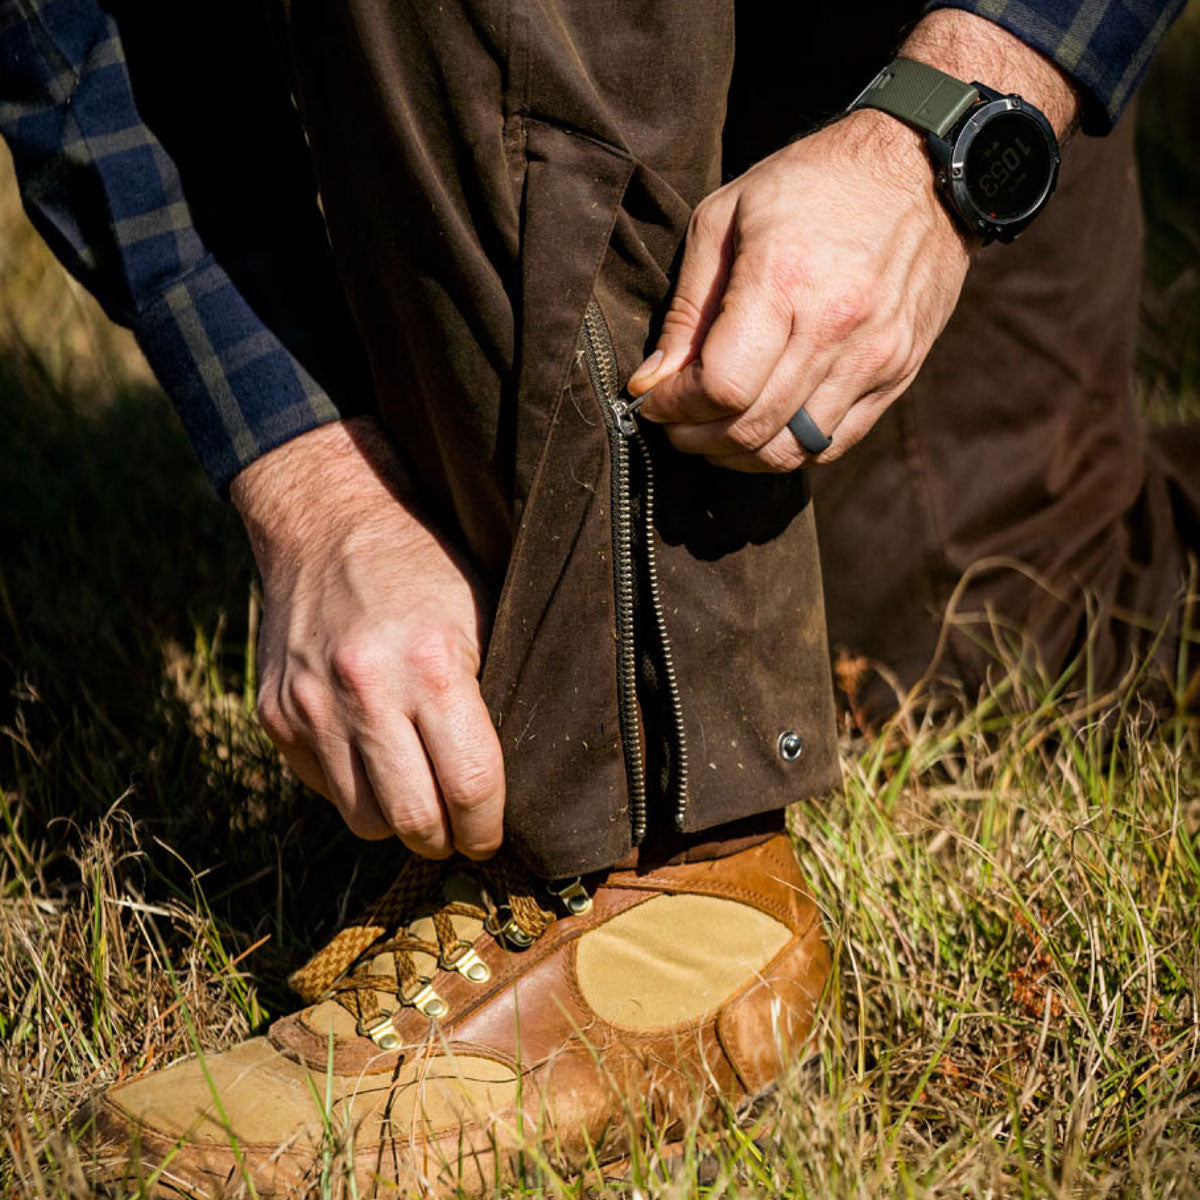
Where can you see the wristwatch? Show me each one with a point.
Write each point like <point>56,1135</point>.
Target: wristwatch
<point>995,157</point>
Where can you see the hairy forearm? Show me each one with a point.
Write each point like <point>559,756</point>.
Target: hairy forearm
<point>972,48</point>
<point>293,495</point>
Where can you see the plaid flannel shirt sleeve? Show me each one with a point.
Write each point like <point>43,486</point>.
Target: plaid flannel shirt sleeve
<point>1105,46</point>
<point>108,199</point>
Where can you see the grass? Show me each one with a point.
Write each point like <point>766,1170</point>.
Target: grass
<point>1012,894</point>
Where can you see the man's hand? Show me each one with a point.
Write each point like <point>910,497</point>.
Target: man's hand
<point>822,276</point>
<point>370,645</point>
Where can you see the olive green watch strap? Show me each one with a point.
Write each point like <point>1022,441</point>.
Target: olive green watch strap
<point>919,95</point>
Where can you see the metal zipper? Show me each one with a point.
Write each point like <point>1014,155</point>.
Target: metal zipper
<point>633,553</point>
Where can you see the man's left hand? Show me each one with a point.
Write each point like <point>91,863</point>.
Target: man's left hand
<point>821,277</point>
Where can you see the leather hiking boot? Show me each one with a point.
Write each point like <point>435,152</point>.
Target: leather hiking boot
<point>458,1041</point>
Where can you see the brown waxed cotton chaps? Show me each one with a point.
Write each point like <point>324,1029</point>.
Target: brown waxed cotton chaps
<point>507,185</point>
<point>491,171</point>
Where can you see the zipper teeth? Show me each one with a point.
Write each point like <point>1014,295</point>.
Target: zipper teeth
<point>602,367</point>
<point>599,345</point>
<point>679,798</point>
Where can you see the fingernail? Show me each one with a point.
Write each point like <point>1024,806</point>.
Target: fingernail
<point>646,369</point>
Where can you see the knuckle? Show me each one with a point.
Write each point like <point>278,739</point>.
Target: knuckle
<point>786,273</point>
<point>724,389</point>
<point>357,665</point>
<point>777,456</point>
<point>846,313</point>
<point>270,715</point>
<point>779,459</point>
<point>434,661</point>
<point>304,701</point>
<point>835,451</point>
<point>418,825</point>
<point>910,356</point>
<point>370,826</point>
<point>683,316</point>
<point>883,356</point>
<point>748,435</point>
<point>704,223</point>
<point>472,786</point>
<point>479,847</point>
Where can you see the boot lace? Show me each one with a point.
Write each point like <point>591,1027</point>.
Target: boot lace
<point>340,971</point>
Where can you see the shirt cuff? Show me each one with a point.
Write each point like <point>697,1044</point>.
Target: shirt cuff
<point>236,387</point>
<point>1104,46</point>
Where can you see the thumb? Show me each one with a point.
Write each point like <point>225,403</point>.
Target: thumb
<point>695,303</point>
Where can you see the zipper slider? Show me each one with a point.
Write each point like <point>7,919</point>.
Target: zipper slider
<point>623,411</point>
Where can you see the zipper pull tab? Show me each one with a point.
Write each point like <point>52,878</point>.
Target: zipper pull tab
<point>623,411</point>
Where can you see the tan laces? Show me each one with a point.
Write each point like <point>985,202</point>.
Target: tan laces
<point>341,970</point>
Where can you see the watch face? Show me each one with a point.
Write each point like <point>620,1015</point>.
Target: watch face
<point>1008,166</point>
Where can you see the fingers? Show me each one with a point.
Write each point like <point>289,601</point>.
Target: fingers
<point>401,778</point>
<point>349,787</point>
<point>846,421</point>
<point>696,300</point>
<point>794,378</point>
<point>857,375</point>
<point>739,355</point>
<point>462,743</point>
<point>403,745</point>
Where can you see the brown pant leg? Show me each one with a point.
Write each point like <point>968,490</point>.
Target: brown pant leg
<point>487,167</point>
<point>1019,443</point>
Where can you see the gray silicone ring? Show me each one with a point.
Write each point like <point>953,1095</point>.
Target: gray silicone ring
<point>807,433</point>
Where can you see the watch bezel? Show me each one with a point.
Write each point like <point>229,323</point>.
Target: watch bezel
<point>953,177</point>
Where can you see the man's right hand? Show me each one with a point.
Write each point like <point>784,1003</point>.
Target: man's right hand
<point>370,645</point>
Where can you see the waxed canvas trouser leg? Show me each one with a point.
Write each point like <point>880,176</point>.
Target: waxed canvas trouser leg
<point>492,171</point>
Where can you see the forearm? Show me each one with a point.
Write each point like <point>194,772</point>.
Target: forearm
<point>297,494</point>
<point>972,48</point>
<point>969,48</point>
<point>1104,46</point>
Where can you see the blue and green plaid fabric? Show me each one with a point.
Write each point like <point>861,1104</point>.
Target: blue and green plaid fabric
<point>107,197</point>
<point>1105,46</point>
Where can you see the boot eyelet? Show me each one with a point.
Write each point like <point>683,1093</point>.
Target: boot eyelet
<point>381,1031</point>
<point>468,964</point>
<point>426,1000</point>
<point>502,924</point>
<point>573,895</point>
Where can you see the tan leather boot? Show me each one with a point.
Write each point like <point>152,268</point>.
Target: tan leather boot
<point>456,1043</point>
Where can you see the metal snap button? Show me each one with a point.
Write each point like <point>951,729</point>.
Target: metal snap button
<point>791,745</point>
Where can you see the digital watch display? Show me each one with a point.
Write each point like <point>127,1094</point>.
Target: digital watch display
<point>1007,164</point>
<point>996,157</point>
